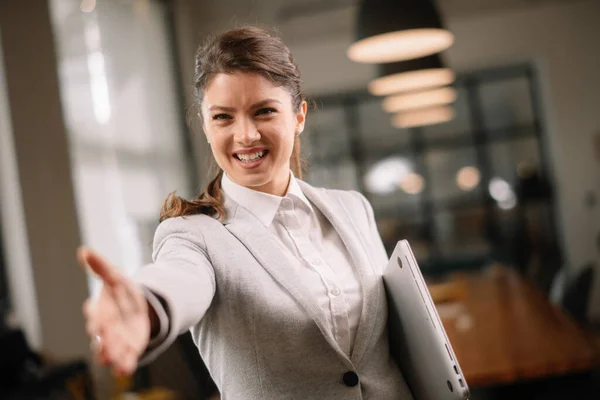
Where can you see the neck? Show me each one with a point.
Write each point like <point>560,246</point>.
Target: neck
<point>277,187</point>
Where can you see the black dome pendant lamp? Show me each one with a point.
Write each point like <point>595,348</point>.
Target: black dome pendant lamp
<point>397,30</point>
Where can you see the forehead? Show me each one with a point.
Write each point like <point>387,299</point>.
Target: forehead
<point>241,89</point>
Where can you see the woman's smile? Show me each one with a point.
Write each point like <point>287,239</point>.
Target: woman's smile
<point>251,158</point>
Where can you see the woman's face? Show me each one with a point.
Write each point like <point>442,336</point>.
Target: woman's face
<point>251,124</point>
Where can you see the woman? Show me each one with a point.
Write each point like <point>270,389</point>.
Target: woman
<point>279,282</point>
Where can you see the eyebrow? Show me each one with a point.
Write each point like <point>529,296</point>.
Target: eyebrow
<point>255,105</point>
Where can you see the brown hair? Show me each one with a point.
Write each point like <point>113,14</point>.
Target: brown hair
<point>247,49</point>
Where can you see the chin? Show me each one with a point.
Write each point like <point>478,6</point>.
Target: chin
<point>249,179</point>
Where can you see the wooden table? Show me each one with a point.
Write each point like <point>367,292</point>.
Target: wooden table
<point>503,329</point>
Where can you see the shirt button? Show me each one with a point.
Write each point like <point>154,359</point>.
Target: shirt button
<point>350,379</point>
<point>336,291</point>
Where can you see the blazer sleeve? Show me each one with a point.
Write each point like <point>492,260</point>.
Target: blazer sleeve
<point>181,276</point>
<point>379,253</point>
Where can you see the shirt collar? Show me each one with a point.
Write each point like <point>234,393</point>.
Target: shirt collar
<point>263,206</point>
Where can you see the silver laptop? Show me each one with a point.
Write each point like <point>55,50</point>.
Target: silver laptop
<point>418,341</point>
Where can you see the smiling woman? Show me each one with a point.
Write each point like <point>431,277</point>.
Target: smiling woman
<point>248,97</point>
<point>279,282</point>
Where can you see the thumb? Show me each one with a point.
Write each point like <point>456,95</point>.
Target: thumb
<point>99,265</point>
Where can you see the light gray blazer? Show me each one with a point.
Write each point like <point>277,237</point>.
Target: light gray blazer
<point>257,327</point>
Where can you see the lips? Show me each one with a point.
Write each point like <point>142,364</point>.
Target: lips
<point>251,158</point>
<point>252,154</point>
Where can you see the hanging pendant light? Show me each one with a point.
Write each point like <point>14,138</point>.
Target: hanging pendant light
<point>422,117</point>
<point>397,30</point>
<point>411,101</point>
<point>411,75</point>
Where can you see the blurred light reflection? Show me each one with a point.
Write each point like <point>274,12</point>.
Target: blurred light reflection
<point>385,175</point>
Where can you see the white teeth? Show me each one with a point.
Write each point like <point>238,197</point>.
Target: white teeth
<point>251,157</point>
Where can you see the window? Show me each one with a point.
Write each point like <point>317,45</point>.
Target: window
<point>461,192</point>
<point>124,120</point>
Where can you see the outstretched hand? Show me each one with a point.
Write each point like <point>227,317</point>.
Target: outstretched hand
<point>117,321</point>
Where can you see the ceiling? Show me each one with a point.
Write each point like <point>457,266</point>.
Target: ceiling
<point>455,8</point>
<point>302,8</point>
<point>307,20</point>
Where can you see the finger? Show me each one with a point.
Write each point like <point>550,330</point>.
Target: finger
<point>92,322</point>
<point>114,350</point>
<point>128,363</point>
<point>95,344</point>
<point>91,328</point>
<point>127,337</point>
<point>134,347</point>
<point>102,357</point>
<point>87,307</point>
<point>117,344</point>
<point>99,265</point>
<point>99,349</point>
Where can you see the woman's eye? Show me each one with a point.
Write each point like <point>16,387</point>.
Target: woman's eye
<point>221,116</point>
<point>266,111</point>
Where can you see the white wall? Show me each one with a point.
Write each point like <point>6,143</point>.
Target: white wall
<point>561,38</point>
<point>126,144</point>
<point>47,285</point>
<point>14,232</point>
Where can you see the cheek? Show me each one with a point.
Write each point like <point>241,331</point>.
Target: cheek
<point>218,145</point>
<point>285,136</point>
<point>285,144</point>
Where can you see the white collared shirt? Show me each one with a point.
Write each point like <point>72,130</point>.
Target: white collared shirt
<point>311,239</point>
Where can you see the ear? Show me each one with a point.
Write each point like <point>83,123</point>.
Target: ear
<point>301,117</point>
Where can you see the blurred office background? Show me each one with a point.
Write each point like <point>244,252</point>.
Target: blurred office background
<point>93,136</point>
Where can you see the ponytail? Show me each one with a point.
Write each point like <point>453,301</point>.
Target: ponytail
<point>209,202</point>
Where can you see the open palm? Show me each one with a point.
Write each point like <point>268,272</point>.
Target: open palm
<point>117,321</point>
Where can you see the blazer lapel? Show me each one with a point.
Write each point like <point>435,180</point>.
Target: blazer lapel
<point>272,256</point>
<point>342,222</point>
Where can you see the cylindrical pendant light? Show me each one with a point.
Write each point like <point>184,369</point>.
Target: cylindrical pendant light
<point>422,117</point>
<point>396,30</point>
<point>411,101</point>
<point>418,74</point>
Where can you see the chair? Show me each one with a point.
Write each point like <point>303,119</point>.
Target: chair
<point>25,376</point>
<point>572,291</point>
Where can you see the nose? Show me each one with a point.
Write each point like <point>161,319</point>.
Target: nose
<point>246,132</point>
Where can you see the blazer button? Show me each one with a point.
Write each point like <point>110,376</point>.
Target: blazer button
<point>350,379</point>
